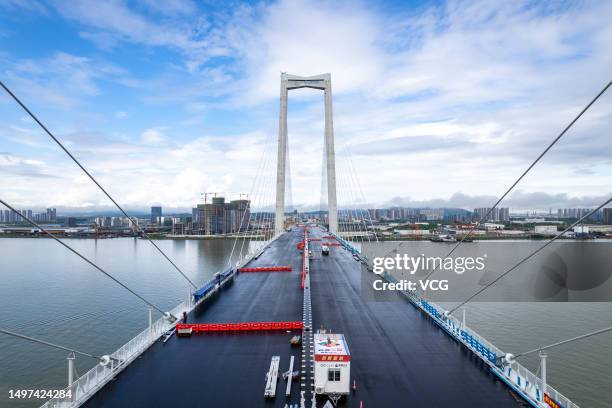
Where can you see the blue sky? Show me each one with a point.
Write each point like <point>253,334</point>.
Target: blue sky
<point>439,103</point>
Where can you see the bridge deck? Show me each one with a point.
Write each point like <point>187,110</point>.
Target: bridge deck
<point>399,357</point>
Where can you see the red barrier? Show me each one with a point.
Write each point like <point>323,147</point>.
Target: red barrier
<point>304,255</point>
<point>329,237</point>
<point>245,326</point>
<point>267,269</point>
<point>334,244</point>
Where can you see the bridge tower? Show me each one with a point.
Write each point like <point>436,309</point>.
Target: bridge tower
<point>321,82</point>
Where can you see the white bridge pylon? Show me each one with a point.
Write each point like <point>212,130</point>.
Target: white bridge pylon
<point>321,82</point>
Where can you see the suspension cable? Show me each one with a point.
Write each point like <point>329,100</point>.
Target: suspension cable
<point>77,253</point>
<point>355,191</point>
<point>583,336</point>
<point>555,140</point>
<point>359,189</point>
<point>56,140</point>
<point>46,343</point>
<point>519,263</point>
<point>256,197</point>
<point>352,209</point>
<point>354,200</point>
<point>249,197</point>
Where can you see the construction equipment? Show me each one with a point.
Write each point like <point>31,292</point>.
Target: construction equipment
<point>272,377</point>
<point>290,375</point>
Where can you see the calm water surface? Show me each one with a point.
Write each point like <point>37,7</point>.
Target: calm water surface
<point>49,293</point>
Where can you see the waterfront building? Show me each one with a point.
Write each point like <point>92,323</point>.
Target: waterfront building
<point>497,214</point>
<point>435,214</point>
<point>219,217</point>
<point>576,213</point>
<point>545,229</point>
<point>607,216</point>
<point>156,214</point>
<point>51,214</point>
<point>178,227</point>
<point>104,222</point>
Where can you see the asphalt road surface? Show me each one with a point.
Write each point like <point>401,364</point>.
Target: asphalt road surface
<point>399,357</point>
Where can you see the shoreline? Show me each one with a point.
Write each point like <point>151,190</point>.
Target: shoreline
<point>260,238</point>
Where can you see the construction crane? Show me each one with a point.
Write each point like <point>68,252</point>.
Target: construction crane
<point>205,195</point>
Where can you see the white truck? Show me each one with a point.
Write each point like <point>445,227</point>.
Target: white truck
<point>332,366</point>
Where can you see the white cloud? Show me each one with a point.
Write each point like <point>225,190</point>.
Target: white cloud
<point>307,38</point>
<point>61,80</point>
<point>29,5</point>
<point>139,173</point>
<point>459,96</point>
<point>112,22</point>
<point>153,136</point>
<point>12,165</point>
<point>171,7</point>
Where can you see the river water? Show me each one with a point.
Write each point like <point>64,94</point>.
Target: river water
<point>49,293</point>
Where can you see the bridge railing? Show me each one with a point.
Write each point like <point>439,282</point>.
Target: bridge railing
<point>521,379</point>
<point>93,380</point>
<point>530,382</point>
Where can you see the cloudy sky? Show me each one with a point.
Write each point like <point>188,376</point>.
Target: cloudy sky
<point>435,103</point>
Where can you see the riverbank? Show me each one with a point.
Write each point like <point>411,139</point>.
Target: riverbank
<point>261,237</point>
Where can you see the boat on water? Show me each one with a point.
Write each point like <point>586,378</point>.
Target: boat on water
<point>450,238</point>
<point>443,238</point>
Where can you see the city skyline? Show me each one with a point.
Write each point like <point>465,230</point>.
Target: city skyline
<point>202,95</point>
<point>518,202</point>
<point>156,213</point>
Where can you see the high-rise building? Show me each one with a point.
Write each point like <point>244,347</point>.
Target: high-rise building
<point>504,214</point>
<point>178,227</point>
<point>240,214</point>
<point>214,216</point>
<point>51,214</point>
<point>497,214</point>
<point>103,222</point>
<point>576,213</point>
<point>220,217</point>
<point>430,214</point>
<point>156,214</point>
<point>372,213</point>
<point>8,216</point>
<point>607,216</point>
<point>197,215</point>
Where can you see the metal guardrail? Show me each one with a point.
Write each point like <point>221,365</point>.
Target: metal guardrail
<point>515,375</point>
<point>93,380</point>
<point>353,250</point>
